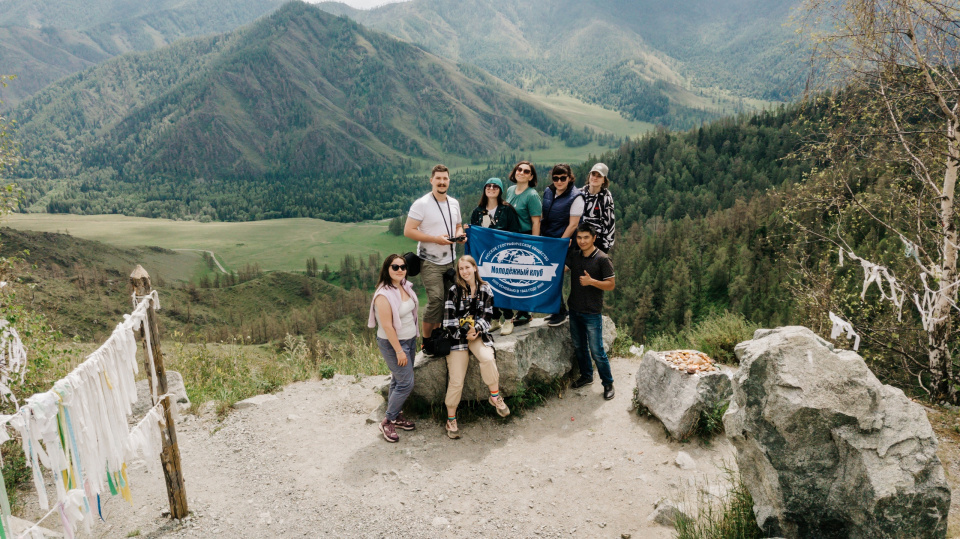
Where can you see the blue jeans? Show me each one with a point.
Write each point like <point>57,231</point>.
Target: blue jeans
<point>401,381</point>
<point>587,332</point>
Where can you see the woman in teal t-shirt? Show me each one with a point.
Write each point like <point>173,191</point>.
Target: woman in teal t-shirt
<point>524,197</point>
<point>526,201</point>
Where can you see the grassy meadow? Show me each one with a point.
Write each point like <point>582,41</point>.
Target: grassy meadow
<point>580,114</point>
<point>280,244</point>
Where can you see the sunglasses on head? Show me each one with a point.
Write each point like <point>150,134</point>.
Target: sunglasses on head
<point>398,267</point>
<point>561,178</point>
<point>524,170</point>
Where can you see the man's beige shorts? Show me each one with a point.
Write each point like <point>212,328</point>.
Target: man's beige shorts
<point>432,276</point>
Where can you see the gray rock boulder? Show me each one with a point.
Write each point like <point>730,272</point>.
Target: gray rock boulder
<point>533,353</point>
<point>676,398</point>
<point>174,386</point>
<point>666,513</point>
<point>825,449</point>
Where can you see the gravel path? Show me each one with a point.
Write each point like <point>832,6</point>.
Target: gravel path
<point>309,465</point>
<point>213,256</point>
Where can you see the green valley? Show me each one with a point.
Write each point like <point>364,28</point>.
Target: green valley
<point>277,244</point>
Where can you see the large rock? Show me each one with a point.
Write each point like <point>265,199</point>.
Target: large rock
<point>533,353</point>
<point>825,449</point>
<point>676,398</point>
<point>174,386</point>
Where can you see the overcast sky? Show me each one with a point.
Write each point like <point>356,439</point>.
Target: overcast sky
<point>365,4</point>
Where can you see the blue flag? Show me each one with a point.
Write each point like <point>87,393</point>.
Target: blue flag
<point>525,272</point>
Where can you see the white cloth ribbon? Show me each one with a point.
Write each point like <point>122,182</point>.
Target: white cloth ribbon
<point>96,399</point>
<point>842,326</point>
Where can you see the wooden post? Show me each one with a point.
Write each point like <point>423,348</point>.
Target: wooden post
<point>170,452</point>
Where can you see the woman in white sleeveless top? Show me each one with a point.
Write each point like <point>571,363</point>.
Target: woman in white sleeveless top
<point>393,312</point>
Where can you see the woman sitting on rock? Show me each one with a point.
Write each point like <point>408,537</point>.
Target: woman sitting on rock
<point>467,314</point>
<point>393,312</point>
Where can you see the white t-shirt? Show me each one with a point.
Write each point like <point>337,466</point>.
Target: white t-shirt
<point>576,209</point>
<point>436,219</point>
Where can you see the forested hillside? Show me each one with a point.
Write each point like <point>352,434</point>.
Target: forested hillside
<point>43,41</point>
<point>699,228</point>
<point>258,122</point>
<point>674,63</point>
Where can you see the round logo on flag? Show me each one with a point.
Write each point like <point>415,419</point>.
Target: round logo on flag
<point>521,270</point>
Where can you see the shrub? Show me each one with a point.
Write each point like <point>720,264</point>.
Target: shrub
<point>727,516</point>
<point>231,372</point>
<point>711,421</point>
<point>717,336</point>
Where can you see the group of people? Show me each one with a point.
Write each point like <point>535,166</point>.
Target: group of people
<point>455,291</point>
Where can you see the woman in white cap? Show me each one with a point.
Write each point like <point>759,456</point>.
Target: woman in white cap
<point>493,212</point>
<point>598,207</point>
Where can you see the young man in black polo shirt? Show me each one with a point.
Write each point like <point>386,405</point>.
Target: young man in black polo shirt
<point>591,274</point>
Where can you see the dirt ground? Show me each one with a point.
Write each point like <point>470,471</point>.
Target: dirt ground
<point>309,465</point>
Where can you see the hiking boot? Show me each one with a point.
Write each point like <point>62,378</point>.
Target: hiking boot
<point>495,325</point>
<point>608,392</point>
<point>507,327</point>
<point>582,381</point>
<point>389,431</point>
<point>403,423</point>
<point>521,320</point>
<point>501,406</point>
<point>555,320</point>
<point>452,431</point>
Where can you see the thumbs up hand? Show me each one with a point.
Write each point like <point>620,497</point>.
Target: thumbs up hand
<point>585,279</point>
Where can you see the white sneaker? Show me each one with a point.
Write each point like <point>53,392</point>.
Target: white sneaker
<point>506,328</point>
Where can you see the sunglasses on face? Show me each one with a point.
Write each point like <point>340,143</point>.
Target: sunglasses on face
<point>398,267</point>
<point>561,178</point>
<point>492,187</point>
<point>524,171</point>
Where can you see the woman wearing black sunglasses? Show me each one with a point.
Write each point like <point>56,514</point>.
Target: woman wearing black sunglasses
<point>524,198</point>
<point>562,208</point>
<point>393,312</point>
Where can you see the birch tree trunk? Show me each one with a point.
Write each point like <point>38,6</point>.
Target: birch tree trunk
<point>941,362</point>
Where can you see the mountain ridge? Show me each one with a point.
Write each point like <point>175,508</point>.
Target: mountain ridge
<point>578,46</point>
<point>301,95</point>
<point>43,43</point>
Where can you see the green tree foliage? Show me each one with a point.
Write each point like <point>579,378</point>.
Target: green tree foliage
<point>397,224</point>
<point>884,195</point>
<point>8,150</point>
<point>697,215</point>
<point>623,88</point>
<point>39,338</point>
<point>678,175</point>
